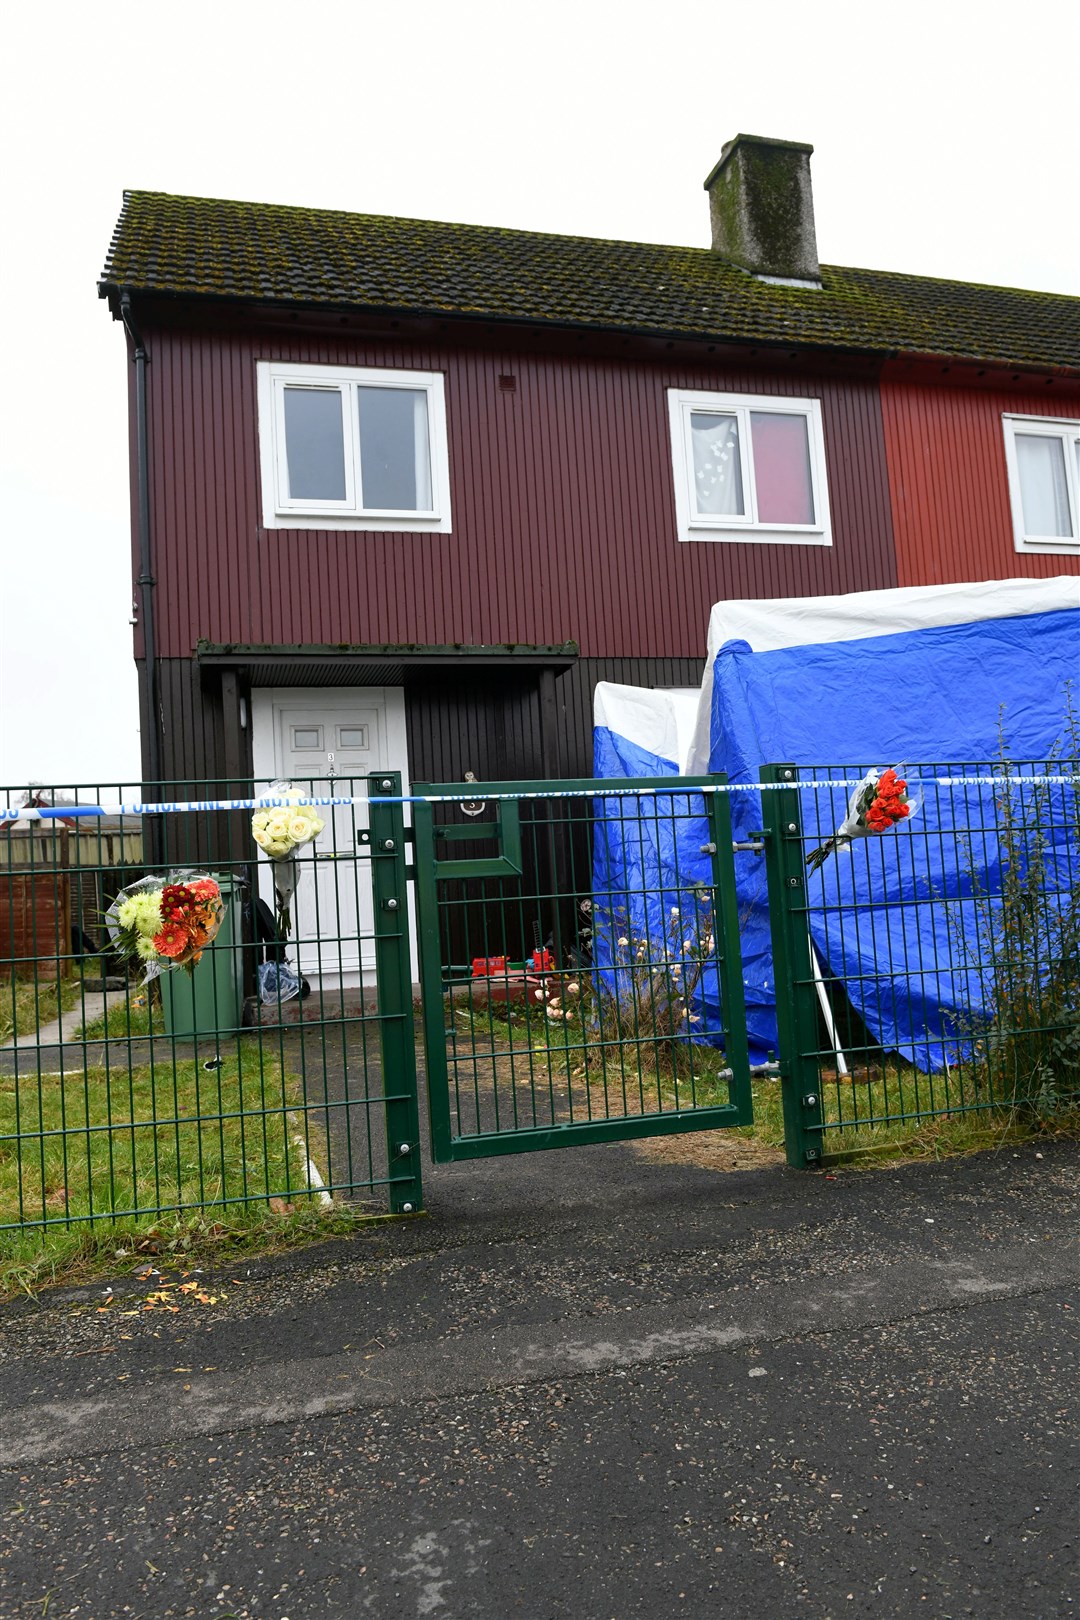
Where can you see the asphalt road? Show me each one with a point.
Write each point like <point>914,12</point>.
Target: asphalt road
<point>589,1383</point>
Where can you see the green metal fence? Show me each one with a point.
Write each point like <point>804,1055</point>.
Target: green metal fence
<point>962,927</point>
<point>119,1099</point>
<point>565,1003</point>
<point>562,1002</point>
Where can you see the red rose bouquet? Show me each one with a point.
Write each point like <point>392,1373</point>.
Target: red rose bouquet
<point>879,802</point>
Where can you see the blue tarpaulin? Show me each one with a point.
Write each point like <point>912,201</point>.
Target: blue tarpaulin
<point>941,693</point>
<point>647,853</point>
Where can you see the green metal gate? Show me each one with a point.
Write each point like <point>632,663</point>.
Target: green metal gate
<point>561,1006</point>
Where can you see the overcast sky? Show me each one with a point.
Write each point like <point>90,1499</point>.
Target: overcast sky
<point>945,140</point>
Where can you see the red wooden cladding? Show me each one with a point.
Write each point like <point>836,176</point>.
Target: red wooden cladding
<point>949,487</point>
<point>563,507</point>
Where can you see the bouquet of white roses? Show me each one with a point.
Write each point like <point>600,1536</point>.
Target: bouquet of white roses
<point>280,830</point>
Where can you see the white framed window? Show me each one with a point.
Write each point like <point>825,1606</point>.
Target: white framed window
<point>346,447</point>
<point>749,468</point>
<point>1042,454</point>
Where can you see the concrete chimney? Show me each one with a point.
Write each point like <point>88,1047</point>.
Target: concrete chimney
<point>762,209</point>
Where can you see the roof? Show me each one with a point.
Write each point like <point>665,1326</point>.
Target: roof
<point>200,247</point>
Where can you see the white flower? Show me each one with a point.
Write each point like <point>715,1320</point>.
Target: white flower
<point>538,995</point>
<point>674,911</point>
<point>623,941</point>
<point>141,911</point>
<point>572,989</point>
<point>300,829</point>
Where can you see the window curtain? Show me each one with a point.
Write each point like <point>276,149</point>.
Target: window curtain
<point>718,488</point>
<point>1044,488</point>
<point>782,475</point>
<point>422,451</point>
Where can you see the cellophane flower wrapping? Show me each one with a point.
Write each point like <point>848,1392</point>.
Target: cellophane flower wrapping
<point>881,801</point>
<point>166,922</point>
<point>280,830</point>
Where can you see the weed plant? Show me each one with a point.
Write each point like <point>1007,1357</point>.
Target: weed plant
<point>1023,953</point>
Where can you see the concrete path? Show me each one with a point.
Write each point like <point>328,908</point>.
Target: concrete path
<point>606,1383</point>
<point>91,1006</point>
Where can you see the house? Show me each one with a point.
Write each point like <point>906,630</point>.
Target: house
<point>404,491</point>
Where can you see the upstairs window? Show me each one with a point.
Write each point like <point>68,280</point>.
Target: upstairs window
<point>345,448</point>
<point>749,468</point>
<point>1043,457</point>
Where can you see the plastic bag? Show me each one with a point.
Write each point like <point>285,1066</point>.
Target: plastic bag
<point>278,982</point>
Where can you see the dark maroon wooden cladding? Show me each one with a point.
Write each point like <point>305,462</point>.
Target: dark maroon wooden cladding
<point>563,506</point>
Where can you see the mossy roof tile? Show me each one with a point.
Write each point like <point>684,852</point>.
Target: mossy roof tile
<point>206,247</point>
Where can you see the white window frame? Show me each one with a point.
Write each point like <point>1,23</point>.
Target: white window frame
<point>1067,431</point>
<point>281,511</point>
<point>692,526</point>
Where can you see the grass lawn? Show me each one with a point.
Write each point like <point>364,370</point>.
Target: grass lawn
<point>516,1052</point>
<point>127,1017</point>
<point>26,1004</point>
<point>99,1154</point>
<point>934,1136</point>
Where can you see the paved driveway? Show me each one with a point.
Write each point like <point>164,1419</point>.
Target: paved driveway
<point>591,1383</point>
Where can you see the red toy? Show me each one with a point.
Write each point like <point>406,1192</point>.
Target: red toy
<point>483,966</point>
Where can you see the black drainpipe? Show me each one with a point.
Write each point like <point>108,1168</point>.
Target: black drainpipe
<point>145,578</point>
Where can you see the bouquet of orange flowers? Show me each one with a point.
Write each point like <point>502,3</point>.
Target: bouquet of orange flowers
<point>166,922</point>
<point>879,802</point>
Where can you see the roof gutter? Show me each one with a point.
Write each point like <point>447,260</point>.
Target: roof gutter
<point>856,351</point>
<point>145,577</point>
<point>1019,368</point>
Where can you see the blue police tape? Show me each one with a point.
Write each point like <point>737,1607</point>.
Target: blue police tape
<point>674,788</point>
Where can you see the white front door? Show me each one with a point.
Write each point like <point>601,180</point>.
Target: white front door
<point>328,740</point>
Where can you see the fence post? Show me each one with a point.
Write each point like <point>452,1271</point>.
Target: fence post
<point>393,977</point>
<point>728,956</point>
<point>796,1006</point>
